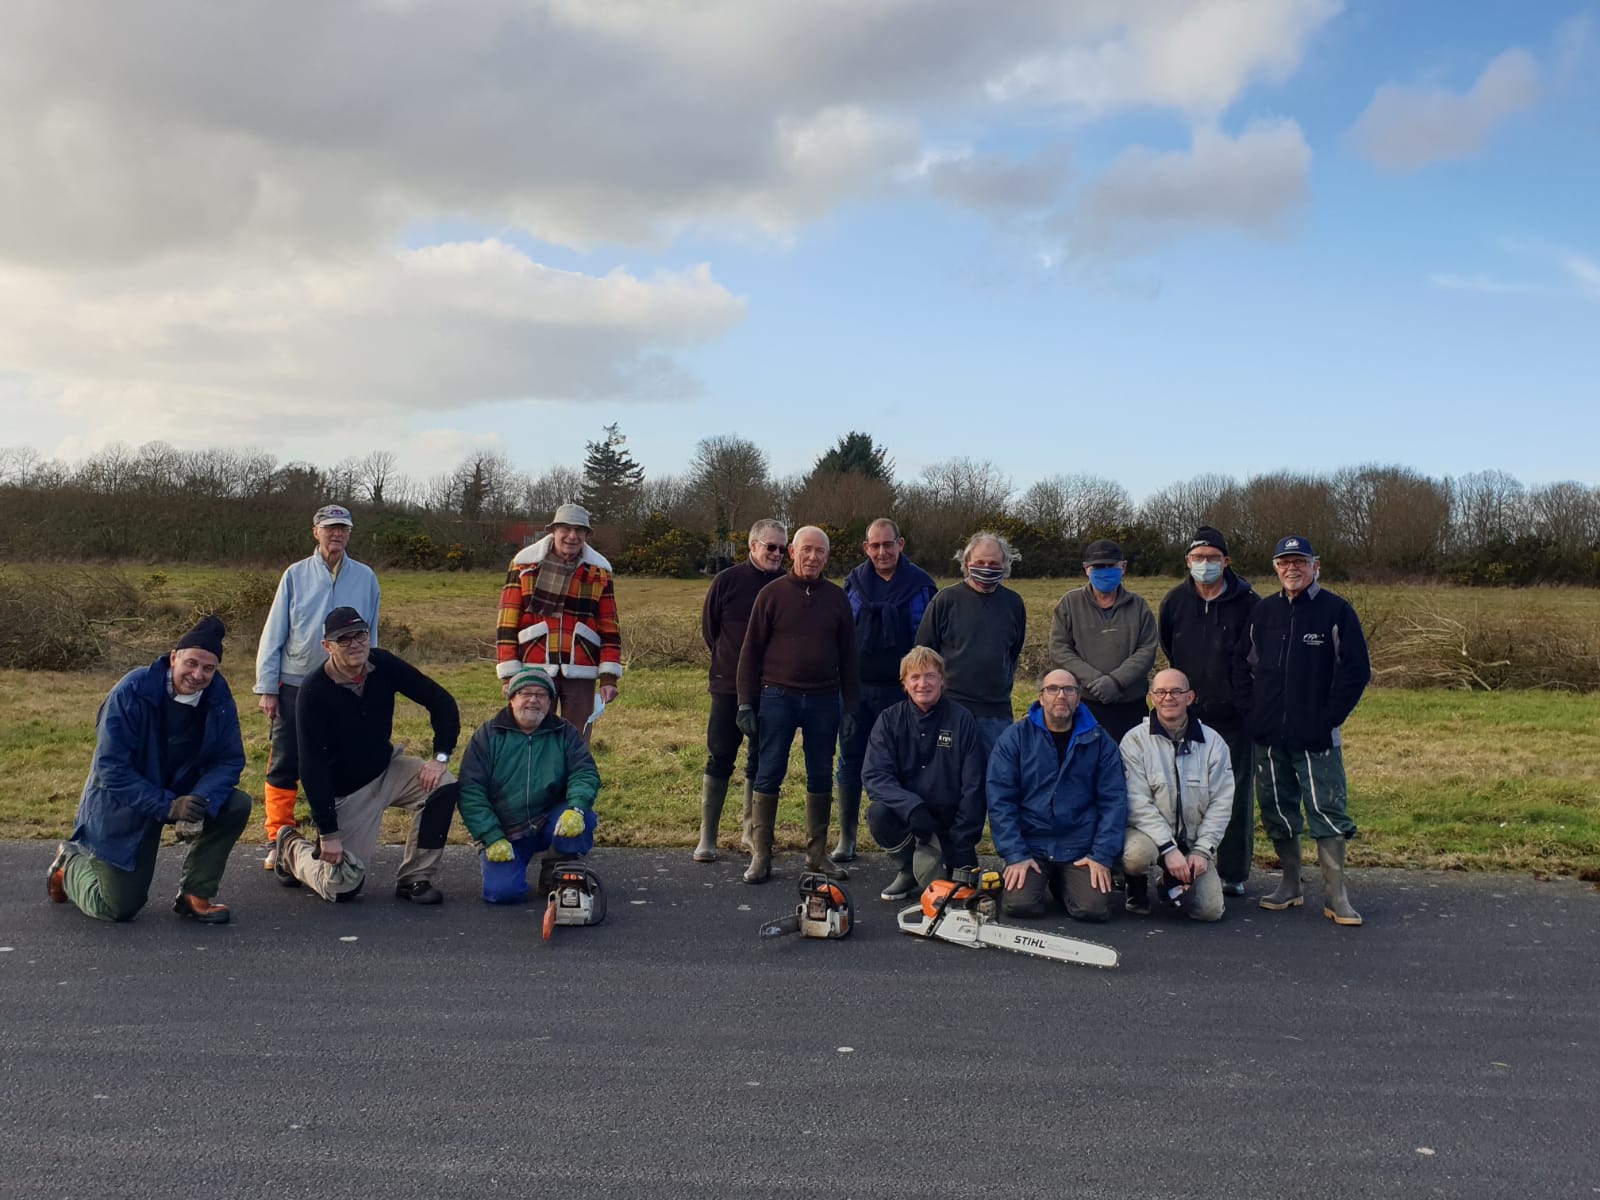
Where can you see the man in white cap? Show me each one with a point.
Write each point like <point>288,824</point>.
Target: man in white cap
<point>558,612</point>
<point>291,647</point>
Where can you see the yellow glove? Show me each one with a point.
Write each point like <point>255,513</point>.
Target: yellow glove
<point>499,851</point>
<point>569,824</point>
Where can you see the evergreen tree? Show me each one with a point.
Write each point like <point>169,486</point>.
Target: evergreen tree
<point>856,453</point>
<point>611,478</point>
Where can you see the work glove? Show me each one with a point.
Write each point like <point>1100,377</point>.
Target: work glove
<point>187,808</point>
<point>847,729</point>
<point>569,824</point>
<point>745,719</point>
<point>922,822</point>
<point>499,851</point>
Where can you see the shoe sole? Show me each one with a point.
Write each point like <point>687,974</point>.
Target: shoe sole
<point>893,895</point>
<point>183,910</point>
<point>1275,906</point>
<point>705,856</point>
<point>1338,920</point>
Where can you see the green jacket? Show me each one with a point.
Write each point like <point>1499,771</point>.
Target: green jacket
<point>512,781</point>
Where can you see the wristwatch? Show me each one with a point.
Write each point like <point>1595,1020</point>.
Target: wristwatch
<point>441,758</point>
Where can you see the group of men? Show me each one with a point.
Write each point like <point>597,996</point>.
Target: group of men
<point>169,750</point>
<point>1107,771</point>
<point>896,688</point>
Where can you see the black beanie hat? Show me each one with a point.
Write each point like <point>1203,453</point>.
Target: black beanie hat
<point>1207,536</point>
<point>207,634</point>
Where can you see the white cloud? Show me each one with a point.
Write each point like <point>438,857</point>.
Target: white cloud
<point>1252,183</point>
<point>201,202</point>
<point>1585,272</point>
<point>159,352</point>
<point>1407,128</point>
<point>1486,284</point>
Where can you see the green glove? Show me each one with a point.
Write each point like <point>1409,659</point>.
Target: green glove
<point>569,824</point>
<point>499,851</point>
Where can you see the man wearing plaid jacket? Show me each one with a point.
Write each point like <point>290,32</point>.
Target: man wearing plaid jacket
<point>558,612</point>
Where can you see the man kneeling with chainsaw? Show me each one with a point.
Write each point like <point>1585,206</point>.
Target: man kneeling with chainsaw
<point>528,785</point>
<point>1058,805</point>
<point>1180,797</point>
<point>924,772</point>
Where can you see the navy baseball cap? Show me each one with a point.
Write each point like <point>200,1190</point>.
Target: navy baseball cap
<point>1293,546</point>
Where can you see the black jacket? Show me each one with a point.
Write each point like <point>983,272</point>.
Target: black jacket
<point>724,616</point>
<point>344,738</point>
<point>1301,669</point>
<point>933,759</point>
<point>1201,638</point>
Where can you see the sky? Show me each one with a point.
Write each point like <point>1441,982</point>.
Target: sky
<point>1143,239</point>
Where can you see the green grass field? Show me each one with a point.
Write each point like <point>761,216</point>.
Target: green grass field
<point>1454,779</point>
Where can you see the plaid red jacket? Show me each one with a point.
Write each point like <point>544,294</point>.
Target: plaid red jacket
<point>582,641</point>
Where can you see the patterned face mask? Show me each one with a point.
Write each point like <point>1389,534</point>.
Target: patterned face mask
<point>987,578</point>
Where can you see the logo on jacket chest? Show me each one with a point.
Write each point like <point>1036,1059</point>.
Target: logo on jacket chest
<point>947,739</point>
<point>1314,639</point>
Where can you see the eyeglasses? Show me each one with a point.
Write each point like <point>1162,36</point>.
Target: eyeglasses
<point>770,547</point>
<point>1058,689</point>
<point>874,547</point>
<point>350,639</point>
<point>1168,693</point>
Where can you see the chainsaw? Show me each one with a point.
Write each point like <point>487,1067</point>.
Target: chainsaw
<point>962,910</point>
<point>576,897</point>
<point>824,911</point>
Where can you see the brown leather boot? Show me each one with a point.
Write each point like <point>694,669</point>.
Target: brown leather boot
<point>200,908</point>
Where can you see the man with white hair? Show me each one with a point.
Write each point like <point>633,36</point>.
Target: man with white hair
<point>977,626</point>
<point>799,663</point>
<point>723,619</point>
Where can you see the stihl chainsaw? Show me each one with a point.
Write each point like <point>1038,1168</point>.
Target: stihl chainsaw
<point>824,911</point>
<point>962,910</point>
<point>576,898</point>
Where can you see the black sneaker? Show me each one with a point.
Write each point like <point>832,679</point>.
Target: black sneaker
<point>1233,889</point>
<point>418,891</point>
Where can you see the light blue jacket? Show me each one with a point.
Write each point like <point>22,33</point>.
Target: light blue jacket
<point>291,640</point>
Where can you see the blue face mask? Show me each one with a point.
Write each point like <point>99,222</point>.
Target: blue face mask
<point>1206,571</point>
<point>1105,579</point>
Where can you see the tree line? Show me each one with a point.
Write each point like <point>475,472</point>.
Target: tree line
<point>1373,521</point>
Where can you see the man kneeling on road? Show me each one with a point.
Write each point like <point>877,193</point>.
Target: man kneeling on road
<point>528,784</point>
<point>167,751</point>
<point>924,771</point>
<point>1180,796</point>
<point>1058,805</point>
<point>352,772</point>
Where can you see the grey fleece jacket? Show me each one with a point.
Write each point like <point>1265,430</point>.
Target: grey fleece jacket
<point>1091,641</point>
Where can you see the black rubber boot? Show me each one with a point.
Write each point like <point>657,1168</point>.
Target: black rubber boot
<point>904,882</point>
<point>1336,904</point>
<point>1138,899</point>
<point>1288,894</point>
<point>763,819</point>
<point>849,822</point>
<point>818,807</point>
<point>714,793</point>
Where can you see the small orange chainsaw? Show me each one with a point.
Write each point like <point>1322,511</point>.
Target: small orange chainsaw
<point>824,911</point>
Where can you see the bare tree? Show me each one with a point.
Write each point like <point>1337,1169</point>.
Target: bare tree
<point>1390,516</point>
<point>112,471</point>
<point>1181,508</point>
<point>1567,513</point>
<point>1284,502</point>
<point>18,465</point>
<point>370,476</point>
<point>730,473</point>
<point>548,492</point>
<point>1077,505</point>
<point>1486,507</point>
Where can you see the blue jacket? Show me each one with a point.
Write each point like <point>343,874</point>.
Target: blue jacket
<point>123,795</point>
<point>291,640</point>
<point>1046,812</point>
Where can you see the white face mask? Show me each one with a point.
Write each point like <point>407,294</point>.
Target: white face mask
<point>1206,572</point>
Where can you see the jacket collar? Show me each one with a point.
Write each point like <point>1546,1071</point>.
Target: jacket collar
<point>1082,720</point>
<point>535,554</point>
<point>1192,732</point>
<point>151,687</point>
<point>504,720</point>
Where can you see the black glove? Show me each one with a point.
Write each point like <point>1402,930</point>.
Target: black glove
<point>187,808</point>
<point>745,719</point>
<point>922,822</point>
<point>847,729</point>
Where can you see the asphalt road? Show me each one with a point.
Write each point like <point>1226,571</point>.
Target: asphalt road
<point>1448,1047</point>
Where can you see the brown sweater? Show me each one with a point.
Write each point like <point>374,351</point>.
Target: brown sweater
<point>801,637</point>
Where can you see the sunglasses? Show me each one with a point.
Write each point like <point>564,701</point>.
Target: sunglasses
<point>770,547</point>
<point>350,639</point>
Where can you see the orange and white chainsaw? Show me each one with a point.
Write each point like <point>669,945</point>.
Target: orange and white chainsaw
<point>824,911</point>
<point>962,910</point>
<point>576,897</point>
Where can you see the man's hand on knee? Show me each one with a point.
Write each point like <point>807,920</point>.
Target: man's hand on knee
<point>1099,876</point>
<point>330,849</point>
<point>1017,874</point>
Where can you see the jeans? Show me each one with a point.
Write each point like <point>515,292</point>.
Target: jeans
<point>507,882</point>
<point>780,715</point>
<point>853,751</point>
<point>723,738</point>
